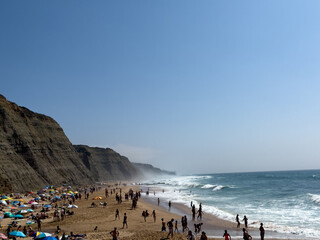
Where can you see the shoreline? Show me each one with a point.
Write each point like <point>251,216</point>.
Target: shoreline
<point>213,225</point>
<point>102,218</point>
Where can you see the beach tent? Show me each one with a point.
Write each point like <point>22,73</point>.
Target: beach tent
<point>17,234</point>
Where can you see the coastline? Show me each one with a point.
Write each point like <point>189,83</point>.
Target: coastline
<point>87,218</point>
<point>213,225</point>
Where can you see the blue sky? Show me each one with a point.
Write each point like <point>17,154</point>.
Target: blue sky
<point>191,86</point>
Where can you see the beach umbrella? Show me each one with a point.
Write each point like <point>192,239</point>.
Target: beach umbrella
<point>43,235</point>
<point>34,234</point>
<point>30,202</point>
<point>30,222</point>
<point>47,206</point>
<point>4,197</point>
<point>49,238</point>
<point>22,206</point>
<point>8,215</point>
<point>17,234</point>
<point>72,206</point>
<point>23,211</point>
<point>29,210</point>
<point>4,202</point>
<point>2,236</point>
<point>34,203</point>
<point>18,216</point>
<point>37,198</point>
<point>15,202</point>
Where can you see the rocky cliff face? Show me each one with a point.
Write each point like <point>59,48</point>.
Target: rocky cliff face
<point>106,164</point>
<point>35,152</point>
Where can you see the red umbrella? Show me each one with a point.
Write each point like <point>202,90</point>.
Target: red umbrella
<point>2,236</point>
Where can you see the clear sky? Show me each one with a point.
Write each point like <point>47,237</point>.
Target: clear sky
<point>191,86</point>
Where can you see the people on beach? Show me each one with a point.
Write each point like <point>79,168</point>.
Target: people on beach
<point>125,220</point>
<point>117,215</point>
<point>158,201</point>
<point>238,221</point>
<point>163,225</point>
<point>115,234</point>
<point>246,235</point>
<point>226,235</point>
<point>170,226</point>
<point>169,204</point>
<point>176,226</point>
<point>190,236</point>
<point>154,215</point>
<point>204,236</point>
<point>193,212</point>
<point>245,219</point>
<point>261,231</point>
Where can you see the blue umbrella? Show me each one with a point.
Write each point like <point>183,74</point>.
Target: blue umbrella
<point>22,206</point>
<point>17,234</point>
<point>49,238</point>
<point>29,210</point>
<point>47,205</point>
<point>18,216</point>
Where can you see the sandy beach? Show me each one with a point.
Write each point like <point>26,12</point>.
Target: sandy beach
<point>97,222</point>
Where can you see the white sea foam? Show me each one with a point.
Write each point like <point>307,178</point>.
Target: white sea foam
<point>217,188</point>
<point>208,186</point>
<point>315,198</point>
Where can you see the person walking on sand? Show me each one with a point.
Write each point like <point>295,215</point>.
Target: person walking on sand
<point>238,221</point>
<point>226,235</point>
<point>154,215</point>
<point>125,220</point>
<point>176,226</point>
<point>163,225</point>
<point>245,219</point>
<point>170,226</point>
<point>114,234</point>
<point>261,231</point>
<point>117,214</point>
<point>158,201</point>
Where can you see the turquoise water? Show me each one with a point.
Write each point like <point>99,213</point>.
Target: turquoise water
<point>286,202</point>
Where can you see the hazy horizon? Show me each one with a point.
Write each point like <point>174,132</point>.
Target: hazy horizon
<point>187,86</point>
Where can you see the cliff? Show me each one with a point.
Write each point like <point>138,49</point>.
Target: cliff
<point>105,164</point>
<point>35,152</point>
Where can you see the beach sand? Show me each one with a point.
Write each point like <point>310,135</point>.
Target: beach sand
<point>86,218</point>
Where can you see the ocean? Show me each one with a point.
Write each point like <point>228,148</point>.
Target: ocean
<point>287,202</point>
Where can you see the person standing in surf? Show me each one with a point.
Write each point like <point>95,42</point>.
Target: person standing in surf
<point>226,235</point>
<point>238,221</point>
<point>245,219</point>
<point>261,231</point>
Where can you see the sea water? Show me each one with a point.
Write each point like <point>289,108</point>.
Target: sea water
<point>287,202</point>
